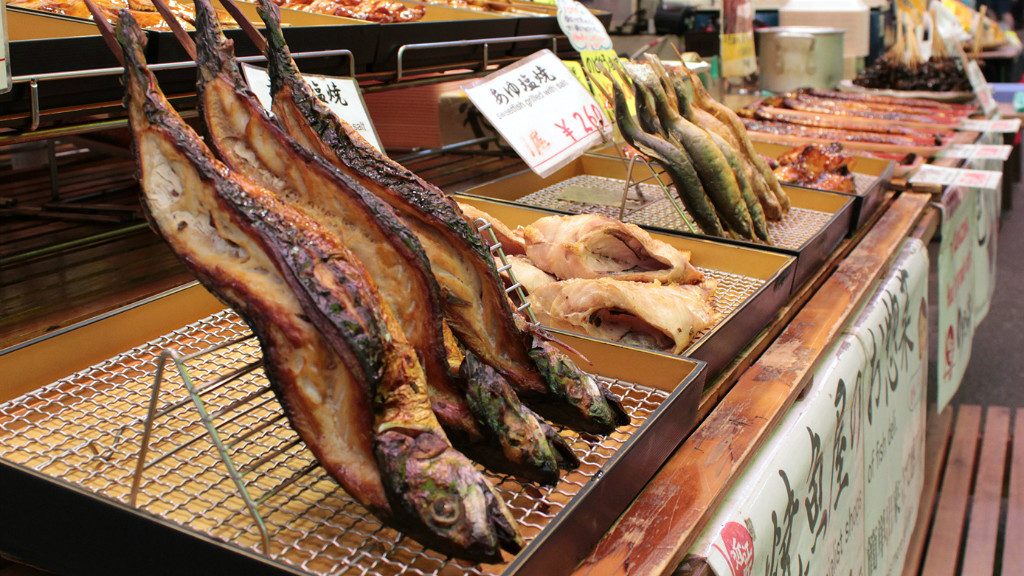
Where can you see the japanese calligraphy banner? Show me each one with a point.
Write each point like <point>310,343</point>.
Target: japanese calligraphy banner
<point>806,505</point>
<point>987,210</point>
<point>955,291</point>
<point>341,95</point>
<point>540,109</point>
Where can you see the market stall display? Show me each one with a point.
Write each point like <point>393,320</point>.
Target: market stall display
<point>383,11</point>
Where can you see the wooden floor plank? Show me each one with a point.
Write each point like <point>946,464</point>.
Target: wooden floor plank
<point>950,513</point>
<point>1013,548</point>
<point>936,446</point>
<point>983,528</point>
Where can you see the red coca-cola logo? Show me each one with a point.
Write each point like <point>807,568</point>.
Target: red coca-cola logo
<point>739,549</point>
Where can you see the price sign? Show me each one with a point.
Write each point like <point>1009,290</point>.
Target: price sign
<point>541,110</point>
<point>977,152</point>
<point>1006,126</point>
<point>341,95</point>
<point>5,63</point>
<point>959,177</point>
<point>981,89</point>
<point>581,27</point>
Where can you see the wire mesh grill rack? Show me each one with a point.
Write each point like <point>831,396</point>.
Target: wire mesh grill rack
<point>651,208</point>
<point>86,429</point>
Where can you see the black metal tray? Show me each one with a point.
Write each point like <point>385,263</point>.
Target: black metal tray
<point>753,284</point>
<point>443,24</point>
<point>68,449</point>
<point>871,175</point>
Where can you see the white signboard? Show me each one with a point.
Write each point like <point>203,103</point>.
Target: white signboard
<point>956,282</point>
<point>833,490</point>
<point>981,89</point>
<point>341,95</point>
<point>5,63</point>
<point>540,108</point>
<point>977,152</point>
<point>581,27</point>
<point>1006,126</point>
<point>964,178</point>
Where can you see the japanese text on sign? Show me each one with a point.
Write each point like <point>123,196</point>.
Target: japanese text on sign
<point>541,110</point>
<point>581,27</point>
<point>1007,126</point>
<point>981,89</point>
<point>340,94</point>
<point>977,152</point>
<point>943,176</point>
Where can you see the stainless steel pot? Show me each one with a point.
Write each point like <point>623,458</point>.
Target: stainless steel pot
<point>791,57</point>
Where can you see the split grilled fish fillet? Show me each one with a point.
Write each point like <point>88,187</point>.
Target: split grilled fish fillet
<point>474,302</point>
<point>254,144</point>
<point>531,277</point>
<point>592,246</point>
<point>659,316</point>
<point>351,386</point>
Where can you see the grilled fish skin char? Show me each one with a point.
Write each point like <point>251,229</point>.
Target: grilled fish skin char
<point>253,143</point>
<point>474,303</point>
<point>351,389</point>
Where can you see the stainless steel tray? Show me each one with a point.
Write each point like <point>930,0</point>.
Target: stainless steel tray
<point>68,453</point>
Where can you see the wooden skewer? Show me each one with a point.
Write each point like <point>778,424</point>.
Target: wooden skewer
<point>246,26</point>
<point>106,31</point>
<point>182,36</point>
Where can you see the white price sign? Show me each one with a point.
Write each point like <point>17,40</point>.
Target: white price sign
<point>977,152</point>
<point>959,177</point>
<point>581,27</point>
<point>981,89</point>
<point>341,95</point>
<point>1007,126</point>
<point>5,63</point>
<point>543,112</point>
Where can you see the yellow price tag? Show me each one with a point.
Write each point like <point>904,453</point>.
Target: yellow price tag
<point>589,59</point>
<point>548,2</point>
<point>738,56</point>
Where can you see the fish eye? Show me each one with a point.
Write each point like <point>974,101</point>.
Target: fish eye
<point>446,510</point>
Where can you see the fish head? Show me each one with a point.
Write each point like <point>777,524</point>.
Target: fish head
<point>443,501</point>
<point>582,403</point>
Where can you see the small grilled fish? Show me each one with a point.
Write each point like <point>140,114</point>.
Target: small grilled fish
<point>351,386</point>
<point>474,302</point>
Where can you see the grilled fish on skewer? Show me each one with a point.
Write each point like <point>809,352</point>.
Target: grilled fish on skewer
<point>511,240</point>
<point>474,303</point>
<point>349,383</point>
<point>592,245</point>
<point>252,143</point>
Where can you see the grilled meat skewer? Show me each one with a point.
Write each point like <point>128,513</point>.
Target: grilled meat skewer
<point>349,383</point>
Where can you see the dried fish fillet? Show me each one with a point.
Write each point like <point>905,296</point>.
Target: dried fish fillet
<point>351,386</point>
<point>511,240</point>
<point>595,246</point>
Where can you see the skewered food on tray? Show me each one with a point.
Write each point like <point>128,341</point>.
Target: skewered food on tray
<point>650,315</point>
<point>143,11</point>
<point>595,275</point>
<point>724,185</point>
<point>473,299</point>
<point>822,167</point>
<point>351,385</point>
<point>253,144</point>
<point>383,11</point>
<point>594,246</point>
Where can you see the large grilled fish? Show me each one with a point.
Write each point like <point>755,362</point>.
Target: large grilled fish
<point>475,304</point>
<point>349,382</point>
<point>249,141</point>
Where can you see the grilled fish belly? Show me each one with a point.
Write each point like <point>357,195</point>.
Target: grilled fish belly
<point>663,317</point>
